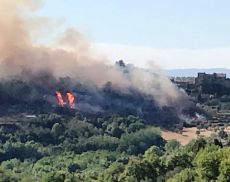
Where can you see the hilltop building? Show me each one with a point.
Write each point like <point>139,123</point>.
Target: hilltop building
<point>210,77</point>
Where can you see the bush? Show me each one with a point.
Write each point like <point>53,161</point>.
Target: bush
<point>138,142</point>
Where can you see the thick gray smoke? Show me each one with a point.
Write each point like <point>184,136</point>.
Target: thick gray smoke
<point>73,58</point>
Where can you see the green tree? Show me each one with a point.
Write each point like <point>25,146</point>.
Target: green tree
<point>172,145</point>
<point>224,170</point>
<point>186,175</point>
<point>112,173</point>
<point>138,142</point>
<point>54,177</point>
<point>195,146</point>
<point>138,170</point>
<point>179,159</point>
<point>208,162</point>
<point>57,130</point>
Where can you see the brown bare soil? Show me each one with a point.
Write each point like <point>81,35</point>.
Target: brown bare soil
<point>186,136</point>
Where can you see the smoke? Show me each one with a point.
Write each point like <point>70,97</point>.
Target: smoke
<point>73,57</point>
<point>155,83</point>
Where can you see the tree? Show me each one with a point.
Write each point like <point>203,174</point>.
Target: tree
<point>197,132</point>
<point>74,167</point>
<point>152,153</point>
<point>172,145</point>
<point>138,142</point>
<point>112,173</point>
<point>186,175</point>
<point>57,130</point>
<point>54,176</point>
<point>224,170</point>
<point>179,159</point>
<point>195,145</point>
<point>138,170</point>
<point>222,134</point>
<point>208,162</point>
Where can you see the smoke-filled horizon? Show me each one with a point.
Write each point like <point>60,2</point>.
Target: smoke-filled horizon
<point>74,56</point>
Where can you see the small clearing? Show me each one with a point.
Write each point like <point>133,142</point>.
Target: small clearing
<point>186,135</point>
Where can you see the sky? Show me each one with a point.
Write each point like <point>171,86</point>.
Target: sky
<point>173,34</point>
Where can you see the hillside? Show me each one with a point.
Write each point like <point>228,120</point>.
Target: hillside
<point>111,135</point>
<point>35,94</point>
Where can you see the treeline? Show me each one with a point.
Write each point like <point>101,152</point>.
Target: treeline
<point>200,160</point>
<point>53,133</point>
<point>60,148</point>
<point>27,143</point>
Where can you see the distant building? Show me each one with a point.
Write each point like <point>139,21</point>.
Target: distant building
<point>209,77</point>
<point>184,80</point>
<point>216,84</point>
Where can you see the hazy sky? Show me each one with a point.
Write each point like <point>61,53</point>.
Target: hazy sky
<point>173,33</point>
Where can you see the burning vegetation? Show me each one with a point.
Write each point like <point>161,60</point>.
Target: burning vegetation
<point>31,74</point>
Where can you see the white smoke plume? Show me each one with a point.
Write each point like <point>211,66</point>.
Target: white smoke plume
<point>74,56</point>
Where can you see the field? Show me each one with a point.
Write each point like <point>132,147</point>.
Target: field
<point>186,136</point>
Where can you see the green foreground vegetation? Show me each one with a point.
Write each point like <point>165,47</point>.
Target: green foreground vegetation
<point>59,148</point>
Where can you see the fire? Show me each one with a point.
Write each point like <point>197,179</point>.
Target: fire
<point>60,100</point>
<point>70,99</point>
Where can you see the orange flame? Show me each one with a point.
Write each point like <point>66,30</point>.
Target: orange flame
<point>60,100</point>
<point>70,99</point>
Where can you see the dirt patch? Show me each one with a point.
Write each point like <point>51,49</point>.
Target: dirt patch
<point>186,135</point>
